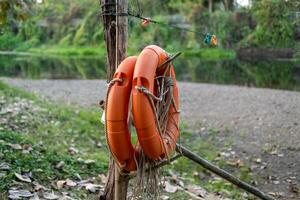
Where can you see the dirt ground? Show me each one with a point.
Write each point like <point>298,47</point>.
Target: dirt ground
<point>260,127</point>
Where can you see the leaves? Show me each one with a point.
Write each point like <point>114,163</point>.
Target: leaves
<point>4,166</point>
<point>50,196</point>
<point>60,165</point>
<point>23,178</point>
<point>19,194</point>
<point>170,188</point>
<point>197,190</point>
<point>14,10</point>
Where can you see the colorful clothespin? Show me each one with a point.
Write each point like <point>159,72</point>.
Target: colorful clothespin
<point>211,40</point>
<point>145,23</point>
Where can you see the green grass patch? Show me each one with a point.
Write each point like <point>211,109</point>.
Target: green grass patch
<point>78,51</point>
<point>50,130</point>
<point>193,173</point>
<point>211,53</point>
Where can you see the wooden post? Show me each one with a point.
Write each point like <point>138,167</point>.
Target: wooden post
<point>222,173</point>
<point>115,36</point>
<point>121,180</point>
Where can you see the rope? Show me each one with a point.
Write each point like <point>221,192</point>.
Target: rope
<point>150,98</point>
<point>161,109</point>
<point>212,41</point>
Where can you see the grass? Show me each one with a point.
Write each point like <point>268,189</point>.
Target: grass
<point>99,51</point>
<point>211,53</point>
<point>78,51</point>
<point>50,129</point>
<point>196,174</point>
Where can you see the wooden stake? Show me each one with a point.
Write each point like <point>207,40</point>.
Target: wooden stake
<point>222,173</point>
<point>121,181</point>
<point>115,36</point>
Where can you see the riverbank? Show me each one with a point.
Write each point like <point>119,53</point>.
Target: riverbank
<point>57,151</point>
<point>99,51</point>
<point>253,127</point>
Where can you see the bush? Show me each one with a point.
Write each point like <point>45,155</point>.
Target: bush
<point>8,41</point>
<point>274,27</point>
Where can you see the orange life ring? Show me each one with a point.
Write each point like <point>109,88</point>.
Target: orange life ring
<point>143,116</point>
<point>118,135</point>
<point>139,72</point>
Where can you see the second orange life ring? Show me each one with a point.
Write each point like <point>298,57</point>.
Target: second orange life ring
<point>146,69</point>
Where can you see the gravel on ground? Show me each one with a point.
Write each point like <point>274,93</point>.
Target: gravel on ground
<point>262,125</point>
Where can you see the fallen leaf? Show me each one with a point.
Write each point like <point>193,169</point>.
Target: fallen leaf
<point>27,148</point>
<point>60,184</point>
<point>50,196</point>
<point>4,166</point>
<point>70,183</point>
<point>38,187</point>
<point>99,144</point>
<point>60,165</point>
<point>15,146</point>
<point>78,176</point>
<point>274,152</point>
<point>272,193</point>
<point>164,197</point>
<point>73,150</point>
<point>258,160</point>
<point>88,162</point>
<point>170,188</point>
<point>103,178</point>
<point>35,197</point>
<point>199,191</point>
<point>2,174</point>
<point>276,182</point>
<point>294,188</point>
<point>18,194</point>
<point>91,187</point>
<point>23,178</point>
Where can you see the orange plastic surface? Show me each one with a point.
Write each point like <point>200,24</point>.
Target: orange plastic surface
<point>117,115</point>
<point>144,119</point>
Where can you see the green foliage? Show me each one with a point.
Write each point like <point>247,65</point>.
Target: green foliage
<point>9,42</point>
<point>274,24</point>
<point>73,23</point>
<point>14,10</point>
<point>210,54</point>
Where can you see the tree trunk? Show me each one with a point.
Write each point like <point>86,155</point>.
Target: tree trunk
<point>121,181</point>
<point>115,36</point>
<point>228,5</point>
<point>210,5</point>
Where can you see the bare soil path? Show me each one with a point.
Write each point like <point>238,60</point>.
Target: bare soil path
<point>262,126</point>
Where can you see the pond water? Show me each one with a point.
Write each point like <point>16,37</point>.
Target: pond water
<point>278,74</point>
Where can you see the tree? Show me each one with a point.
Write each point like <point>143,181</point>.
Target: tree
<point>274,23</point>
<point>11,10</point>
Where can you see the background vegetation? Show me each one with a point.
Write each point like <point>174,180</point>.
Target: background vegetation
<point>60,27</point>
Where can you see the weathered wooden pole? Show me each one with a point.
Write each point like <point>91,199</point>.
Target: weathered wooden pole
<point>121,180</point>
<point>115,36</point>
<point>222,173</point>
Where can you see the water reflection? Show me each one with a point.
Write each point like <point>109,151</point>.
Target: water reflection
<point>269,74</point>
<point>35,67</point>
<point>279,74</point>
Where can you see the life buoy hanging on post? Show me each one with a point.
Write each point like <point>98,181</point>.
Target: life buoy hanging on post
<point>133,74</point>
<point>152,143</point>
<point>118,135</point>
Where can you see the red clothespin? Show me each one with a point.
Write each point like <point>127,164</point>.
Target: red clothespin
<point>145,23</point>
